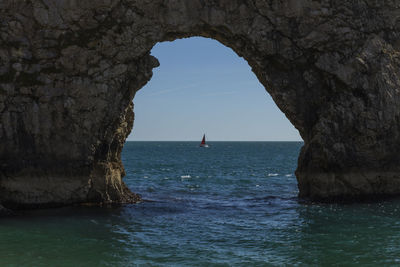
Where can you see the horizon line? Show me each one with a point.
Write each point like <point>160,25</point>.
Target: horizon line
<point>215,141</point>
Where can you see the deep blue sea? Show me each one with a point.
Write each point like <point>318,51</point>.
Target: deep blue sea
<point>232,204</point>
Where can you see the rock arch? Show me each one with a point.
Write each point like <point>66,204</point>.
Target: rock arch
<point>70,69</point>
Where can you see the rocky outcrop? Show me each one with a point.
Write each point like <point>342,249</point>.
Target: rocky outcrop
<point>70,69</point>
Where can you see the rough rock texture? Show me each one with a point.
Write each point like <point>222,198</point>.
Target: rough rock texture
<point>70,69</point>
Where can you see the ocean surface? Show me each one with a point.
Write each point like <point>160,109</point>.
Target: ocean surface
<point>233,204</point>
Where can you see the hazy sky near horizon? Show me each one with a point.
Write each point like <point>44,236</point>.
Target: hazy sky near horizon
<point>201,87</point>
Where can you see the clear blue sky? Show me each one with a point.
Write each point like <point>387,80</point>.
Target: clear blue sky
<point>201,87</point>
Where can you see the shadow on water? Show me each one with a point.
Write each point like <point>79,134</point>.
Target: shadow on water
<point>275,230</point>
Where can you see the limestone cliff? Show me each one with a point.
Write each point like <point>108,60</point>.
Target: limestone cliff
<point>70,69</point>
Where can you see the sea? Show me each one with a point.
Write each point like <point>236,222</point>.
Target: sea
<point>232,204</point>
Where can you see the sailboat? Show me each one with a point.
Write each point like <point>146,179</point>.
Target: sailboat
<point>203,142</point>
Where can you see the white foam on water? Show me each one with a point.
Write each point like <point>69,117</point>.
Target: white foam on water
<point>186,176</point>
<point>272,174</point>
<point>288,175</point>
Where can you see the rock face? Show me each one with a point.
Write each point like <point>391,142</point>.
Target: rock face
<point>70,69</point>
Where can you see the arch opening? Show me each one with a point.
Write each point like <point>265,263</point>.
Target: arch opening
<point>202,86</point>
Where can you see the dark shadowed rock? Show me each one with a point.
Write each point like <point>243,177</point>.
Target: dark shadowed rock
<point>5,212</point>
<point>70,69</point>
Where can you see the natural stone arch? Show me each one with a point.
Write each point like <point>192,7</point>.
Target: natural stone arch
<point>70,69</point>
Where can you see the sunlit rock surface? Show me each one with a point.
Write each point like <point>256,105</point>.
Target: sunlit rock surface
<point>70,69</point>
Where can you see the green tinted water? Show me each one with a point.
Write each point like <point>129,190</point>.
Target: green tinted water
<point>231,204</point>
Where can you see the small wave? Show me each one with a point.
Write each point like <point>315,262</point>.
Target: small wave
<point>269,198</point>
<point>186,176</point>
<point>272,174</point>
<point>288,175</point>
<point>149,200</point>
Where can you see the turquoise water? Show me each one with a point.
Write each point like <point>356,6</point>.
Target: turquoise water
<point>231,204</point>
